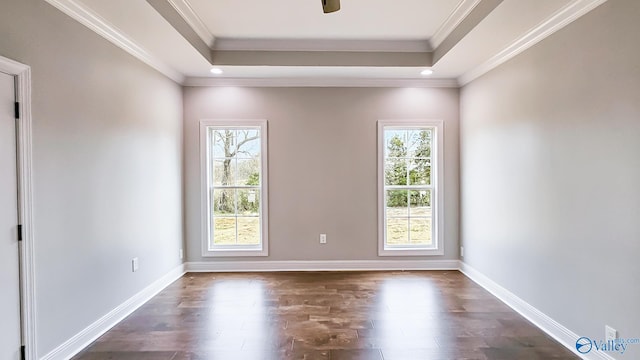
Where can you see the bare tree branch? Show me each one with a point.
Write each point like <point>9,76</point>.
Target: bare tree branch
<point>246,140</point>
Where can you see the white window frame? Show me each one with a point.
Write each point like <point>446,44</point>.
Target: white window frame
<point>233,250</point>
<point>437,178</point>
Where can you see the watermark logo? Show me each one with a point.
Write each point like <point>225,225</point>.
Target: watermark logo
<point>585,345</point>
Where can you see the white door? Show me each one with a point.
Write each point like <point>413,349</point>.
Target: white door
<point>9,252</point>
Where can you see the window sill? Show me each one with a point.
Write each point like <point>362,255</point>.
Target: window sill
<point>235,253</point>
<point>410,252</point>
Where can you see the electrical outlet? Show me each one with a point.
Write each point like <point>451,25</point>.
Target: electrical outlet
<point>323,238</point>
<point>461,251</point>
<point>610,333</point>
<point>181,254</point>
<point>134,264</point>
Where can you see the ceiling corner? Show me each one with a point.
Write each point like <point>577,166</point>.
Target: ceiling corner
<point>561,18</point>
<point>474,17</point>
<point>172,15</point>
<point>461,11</point>
<point>186,11</point>
<point>89,18</point>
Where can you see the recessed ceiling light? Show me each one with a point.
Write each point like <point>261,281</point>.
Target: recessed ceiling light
<point>426,72</point>
<point>216,71</point>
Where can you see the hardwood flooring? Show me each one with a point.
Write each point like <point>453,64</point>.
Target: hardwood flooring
<point>325,315</point>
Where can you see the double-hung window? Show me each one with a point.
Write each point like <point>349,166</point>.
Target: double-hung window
<point>234,177</point>
<point>410,181</point>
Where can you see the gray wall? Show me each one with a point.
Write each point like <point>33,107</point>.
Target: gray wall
<point>107,168</point>
<point>322,163</point>
<point>550,173</point>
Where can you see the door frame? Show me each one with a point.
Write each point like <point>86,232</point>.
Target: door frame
<point>22,73</point>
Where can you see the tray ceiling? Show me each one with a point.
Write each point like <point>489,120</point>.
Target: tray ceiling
<point>292,39</point>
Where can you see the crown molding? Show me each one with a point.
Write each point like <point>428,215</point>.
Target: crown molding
<point>184,8</point>
<point>351,45</point>
<point>561,18</point>
<point>321,82</point>
<point>102,27</point>
<point>321,58</point>
<point>461,11</point>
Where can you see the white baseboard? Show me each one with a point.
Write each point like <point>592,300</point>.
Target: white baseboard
<point>554,329</point>
<point>81,340</point>
<point>320,265</point>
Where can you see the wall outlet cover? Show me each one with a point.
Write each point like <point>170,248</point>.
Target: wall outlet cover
<point>610,333</point>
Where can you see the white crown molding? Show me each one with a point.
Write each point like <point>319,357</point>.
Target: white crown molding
<point>545,323</point>
<point>102,27</point>
<point>461,11</point>
<point>561,18</point>
<point>321,82</point>
<point>184,8</point>
<point>85,337</point>
<point>321,265</point>
<point>323,45</point>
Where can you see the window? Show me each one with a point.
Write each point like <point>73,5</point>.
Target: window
<point>410,187</point>
<point>234,164</point>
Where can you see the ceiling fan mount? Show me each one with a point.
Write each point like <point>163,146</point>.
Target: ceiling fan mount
<point>329,6</point>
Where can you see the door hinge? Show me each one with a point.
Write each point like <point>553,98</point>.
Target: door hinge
<point>23,352</point>
<point>17,110</point>
<point>19,232</point>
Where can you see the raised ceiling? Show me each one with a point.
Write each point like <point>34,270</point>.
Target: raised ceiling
<point>304,19</point>
<point>368,42</point>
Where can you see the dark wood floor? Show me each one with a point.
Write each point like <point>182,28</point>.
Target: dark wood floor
<point>346,315</point>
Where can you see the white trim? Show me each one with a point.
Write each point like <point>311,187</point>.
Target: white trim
<point>184,8</point>
<point>561,18</point>
<point>411,46</point>
<point>437,204</point>
<point>464,8</point>
<point>320,265</point>
<point>264,188</point>
<point>25,202</point>
<point>545,323</point>
<point>89,18</point>
<point>85,337</point>
<point>321,82</point>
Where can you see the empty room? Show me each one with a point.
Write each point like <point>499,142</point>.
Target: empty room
<point>319,179</point>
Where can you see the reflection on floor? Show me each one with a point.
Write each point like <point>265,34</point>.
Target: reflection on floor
<point>325,315</point>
